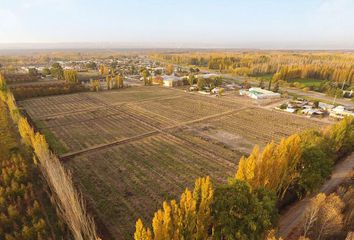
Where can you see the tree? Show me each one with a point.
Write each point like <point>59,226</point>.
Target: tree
<point>91,65</point>
<point>118,82</point>
<point>316,161</point>
<point>2,82</point>
<point>261,84</point>
<point>46,71</point>
<point>276,87</point>
<point>114,64</point>
<point>203,195</point>
<point>188,219</point>
<point>221,92</point>
<point>201,83</point>
<point>316,104</point>
<point>95,85</point>
<point>57,71</point>
<point>70,76</point>
<point>191,79</point>
<point>348,199</point>
<point>312,213</point>
<point>276,168</point>
<point>350,236</point>
<point>169,69</point>
<point>271,235</point>
<point>323,216</point>
<point>145,73</point>
<point>240,213</point>
<point>141,233</point>
<point>109,82</point>
<point>341,136</point>
<point>33,71</point>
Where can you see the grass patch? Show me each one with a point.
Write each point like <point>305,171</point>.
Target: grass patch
<point>265,77</point>
<point>308,82</point>
<point>54,143</point>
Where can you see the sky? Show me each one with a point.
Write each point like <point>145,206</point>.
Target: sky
<point>265,24</point>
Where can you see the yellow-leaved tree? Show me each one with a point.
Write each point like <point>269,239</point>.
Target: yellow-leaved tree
<point>190,219</point>
<point>275,168</point>
<point>26,131</point>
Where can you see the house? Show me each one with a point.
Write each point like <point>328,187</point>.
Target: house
<point>348,94</point>
<point>313,112</point>
<point>325,106</point>
<point>172,81</point>
<point>158,80</point>
<point>215,90</point>
<point>259,93</point>
<point>207,75</point>
<point>193,88</point>
<point>340,112</point>
<point>290,110</point>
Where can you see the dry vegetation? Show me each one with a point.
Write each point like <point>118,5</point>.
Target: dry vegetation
<point>67,200</point>
<point>156,142</point>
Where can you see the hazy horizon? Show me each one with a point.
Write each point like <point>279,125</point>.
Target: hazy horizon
<point>256,24</point>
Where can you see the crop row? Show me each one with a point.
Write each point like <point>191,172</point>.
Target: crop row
<point>136,177</point>
<point>261,126</point>
<point>183,109</point>
<point>39,107</point>
<point>85,134</point>
<point>135,94</point>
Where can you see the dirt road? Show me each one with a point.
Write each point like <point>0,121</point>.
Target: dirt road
<point>293,216</point>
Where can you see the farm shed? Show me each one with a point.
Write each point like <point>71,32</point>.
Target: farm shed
<point>259,93</point>
<point>172,81</point>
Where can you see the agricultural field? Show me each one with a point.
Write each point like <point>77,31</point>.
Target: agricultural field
<point>136,176</point>
<point>131,149</point>
<point>256,126</point>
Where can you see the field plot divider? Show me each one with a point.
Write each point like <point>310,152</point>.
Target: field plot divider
<point>81,121</point>
<point>67,156</point>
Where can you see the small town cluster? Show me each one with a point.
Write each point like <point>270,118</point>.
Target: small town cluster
<point>140,70</point>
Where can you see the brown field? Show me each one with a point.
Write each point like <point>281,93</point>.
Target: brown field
<point>131,149</point>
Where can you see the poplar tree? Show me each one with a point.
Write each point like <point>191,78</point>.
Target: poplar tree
<point>188,219</point>
<point>276,168</point>
<point>141,233</point>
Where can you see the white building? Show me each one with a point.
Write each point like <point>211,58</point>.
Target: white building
<point>340,112</point>
<point>172,81</point>
<point>325,106</point>
<point>259,93</point>
<point>207,75</point>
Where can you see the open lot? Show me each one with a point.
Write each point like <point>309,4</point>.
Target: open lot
<point>131,149</point>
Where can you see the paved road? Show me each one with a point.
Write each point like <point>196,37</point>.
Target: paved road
<point>293,217</point>
<point>321,96</point>
<point>315,95</point>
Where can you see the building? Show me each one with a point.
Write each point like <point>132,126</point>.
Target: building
<point>340,112</point>
<point>325,106</point>
<point>207,75</point>
<point>172,81</point>
<point>259,93</point>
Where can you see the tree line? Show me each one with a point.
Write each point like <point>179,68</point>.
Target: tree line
<point>331,216</point>
<point>287,66</point>
<point>300,163</point>
<point>113,80</point>
<point>21,216</point>
<point>246,207</point>
<point>68,201</point>
<point>36,90</point>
